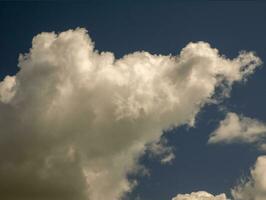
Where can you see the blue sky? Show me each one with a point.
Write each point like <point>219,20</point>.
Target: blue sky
<point>163,28</point>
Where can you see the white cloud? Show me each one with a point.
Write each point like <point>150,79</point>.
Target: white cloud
<point>161,150</point>
<point>202,195</point>
<point>6,89</point>
<point>236,128</point>
<point>255,187</point>
<point>75,121</point>
<point>252,189</point>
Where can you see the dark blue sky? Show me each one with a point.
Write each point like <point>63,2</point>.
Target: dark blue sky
<point>162,28</point>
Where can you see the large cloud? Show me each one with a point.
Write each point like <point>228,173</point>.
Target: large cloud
<point>74,121</point>
<point>236,128</point>
<point>255,187</point>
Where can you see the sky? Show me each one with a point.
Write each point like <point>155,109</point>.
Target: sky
<point>133,100</point>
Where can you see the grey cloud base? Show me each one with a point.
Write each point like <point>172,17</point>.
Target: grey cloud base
<point>74,121</point>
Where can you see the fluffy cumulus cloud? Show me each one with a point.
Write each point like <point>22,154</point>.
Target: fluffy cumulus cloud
<point>74,121</point>
<point>255,187</point>
<point>235,128</point>
<point>199,196</point>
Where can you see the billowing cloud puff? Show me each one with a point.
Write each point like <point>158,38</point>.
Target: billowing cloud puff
<point>199,196</point>
<point>236,128</point>
<point>74,121</point>
<point>255,187</point>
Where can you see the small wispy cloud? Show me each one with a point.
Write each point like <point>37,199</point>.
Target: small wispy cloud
<point>235,128</point>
